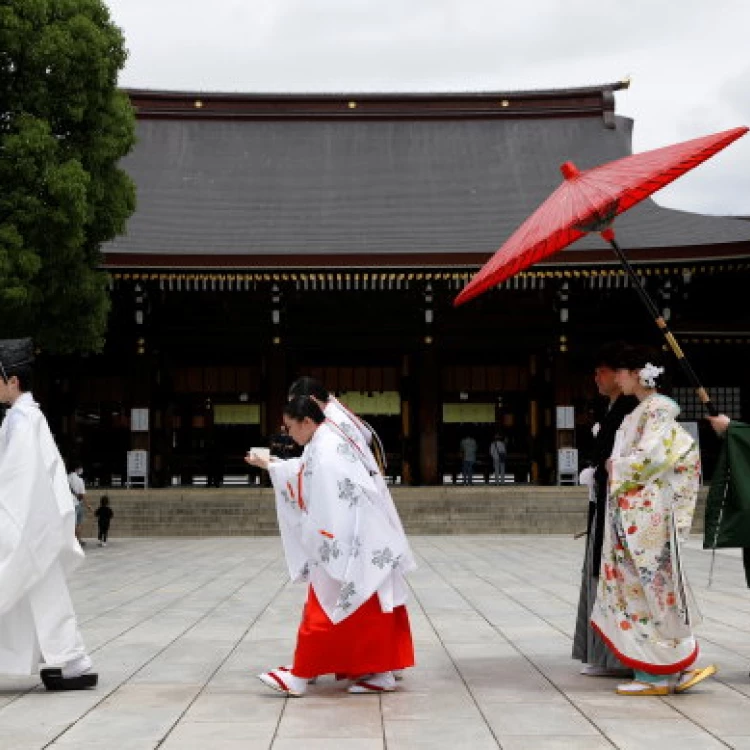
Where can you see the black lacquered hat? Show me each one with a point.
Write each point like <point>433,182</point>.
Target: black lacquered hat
<point>15,353</point>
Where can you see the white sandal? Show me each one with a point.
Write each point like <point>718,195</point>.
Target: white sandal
<point>283,681</point>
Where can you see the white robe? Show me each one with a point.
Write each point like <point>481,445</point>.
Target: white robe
<point>37,545</point>
<point>333,527</point>
<point>361,437</point>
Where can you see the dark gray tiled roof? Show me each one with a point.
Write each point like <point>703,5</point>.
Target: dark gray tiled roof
<point>304,187</point>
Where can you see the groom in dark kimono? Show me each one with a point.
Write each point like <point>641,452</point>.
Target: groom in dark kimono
<point>587,646</point>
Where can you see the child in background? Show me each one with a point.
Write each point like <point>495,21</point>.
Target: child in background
<point>103,517</point>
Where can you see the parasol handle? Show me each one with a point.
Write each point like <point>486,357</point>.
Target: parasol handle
<point>669,337</point>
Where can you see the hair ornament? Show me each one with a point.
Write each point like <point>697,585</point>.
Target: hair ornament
<point>648,375</point>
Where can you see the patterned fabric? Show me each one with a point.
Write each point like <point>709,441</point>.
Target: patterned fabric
<point>644,609</point>
<point>334,530</point>
<point>588,646</point>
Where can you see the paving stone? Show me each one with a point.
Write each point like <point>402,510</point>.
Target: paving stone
<point>179,628</point>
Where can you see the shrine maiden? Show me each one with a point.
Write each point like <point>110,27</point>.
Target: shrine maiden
<point>338,539</point>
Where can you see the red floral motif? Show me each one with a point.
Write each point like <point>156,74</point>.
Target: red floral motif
<point>632,529</point>
<point>625,625</point>
<point>623,503</point>
<point>646,503</point>
<point>670,599</point>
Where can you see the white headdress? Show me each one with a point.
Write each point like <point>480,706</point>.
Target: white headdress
<point>648,375</point>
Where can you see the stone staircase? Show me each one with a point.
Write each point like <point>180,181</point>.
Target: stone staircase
<point>520,509</point>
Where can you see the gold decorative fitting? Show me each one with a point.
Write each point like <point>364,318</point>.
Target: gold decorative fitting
<point>428,339</point>
<point>505,103</point>
<point>198,104</point>
<point>276,340</point>
<point>352,105</point>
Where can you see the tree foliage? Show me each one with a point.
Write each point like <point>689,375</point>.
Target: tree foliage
<point>64,126</point>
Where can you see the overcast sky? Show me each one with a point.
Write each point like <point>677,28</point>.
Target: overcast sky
<point>688,59</point>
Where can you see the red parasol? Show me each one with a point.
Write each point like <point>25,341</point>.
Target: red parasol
<point>589,201</point>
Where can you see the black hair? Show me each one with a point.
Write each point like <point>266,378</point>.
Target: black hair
<point>300,407</point>
<point>104,500</point>
<point>608,355</point>
<point>637,357</point>
<point>25,375</point>
<point>307,386</point>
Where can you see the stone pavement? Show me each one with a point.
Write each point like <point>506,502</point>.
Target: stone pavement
<point>178,628</point>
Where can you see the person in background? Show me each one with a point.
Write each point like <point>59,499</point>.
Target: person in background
<point>78,488</point>
<point>103,517</point>
<point>468,458</point>
<point>498,454</point>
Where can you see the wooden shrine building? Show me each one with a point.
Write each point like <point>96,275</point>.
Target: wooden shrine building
<point>279,235</point>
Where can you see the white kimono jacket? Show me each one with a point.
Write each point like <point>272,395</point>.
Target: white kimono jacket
<point>644,608</point>
<point>37,540</point>
<point>333,527</point>
<point>360,436</point>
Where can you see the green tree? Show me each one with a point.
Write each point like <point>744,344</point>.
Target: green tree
<point>64,126</point>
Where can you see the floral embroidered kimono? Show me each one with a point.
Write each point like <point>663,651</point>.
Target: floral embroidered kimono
<point>337,537</point>
<point>644,609</point>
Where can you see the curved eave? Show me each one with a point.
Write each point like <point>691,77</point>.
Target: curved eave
<point>569,259</point>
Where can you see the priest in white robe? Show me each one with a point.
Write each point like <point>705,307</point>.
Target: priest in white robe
<point>38,548</point>
<point>339,540</point>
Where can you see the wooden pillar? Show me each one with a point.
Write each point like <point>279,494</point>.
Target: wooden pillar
<point>534,418</point>
<point>276,388</point>
<point>428,379</point>
<point>409,428</point>
<point>140,379</point>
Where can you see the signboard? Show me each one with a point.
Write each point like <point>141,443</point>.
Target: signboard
<point>385,403</point>
<point>138,467</point>
<point>565,418</point>
<point>242,414</point>
<point>139,420</point>
<point>464,413</point>
<point>567,461</point>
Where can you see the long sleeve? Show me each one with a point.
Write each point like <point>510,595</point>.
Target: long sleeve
<point>660,443</point>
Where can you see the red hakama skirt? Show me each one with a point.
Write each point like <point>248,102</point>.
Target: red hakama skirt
<point>367,641</point>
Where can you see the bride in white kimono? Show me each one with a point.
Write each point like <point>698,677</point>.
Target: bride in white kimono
<point>644,611</point>
<point>339,540</point>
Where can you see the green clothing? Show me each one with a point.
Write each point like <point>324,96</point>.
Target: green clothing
<point>728,503</point>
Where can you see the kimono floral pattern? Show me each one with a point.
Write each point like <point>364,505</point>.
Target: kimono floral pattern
<point>653,485</point>
<point>383,557</point>
<point>349,492</point>
<point>348,590</point>
<point>329,551</point>
<point>334,535</point>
